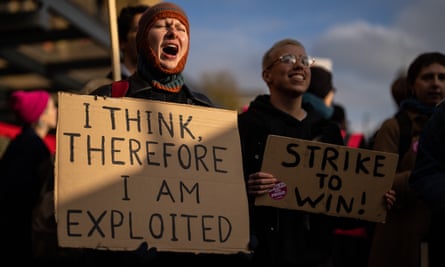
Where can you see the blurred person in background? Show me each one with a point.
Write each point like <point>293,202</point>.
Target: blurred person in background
<point>26,166</point>
<point>353,239</point>
<point>400,89</point>
<point>398,241</point>
<point>428,179</point>
<point>350,139</point>
<point>319,99</point>
<point>127,27</point>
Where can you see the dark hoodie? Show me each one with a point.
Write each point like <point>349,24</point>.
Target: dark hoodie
<point>286,237</point>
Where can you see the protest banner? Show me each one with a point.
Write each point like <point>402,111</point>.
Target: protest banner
<point>329,179</point>
<point>131,170</point>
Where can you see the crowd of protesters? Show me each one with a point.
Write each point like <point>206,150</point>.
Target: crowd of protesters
<point>300,103</point>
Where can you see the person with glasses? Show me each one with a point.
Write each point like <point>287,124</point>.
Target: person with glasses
<point>285,237</point>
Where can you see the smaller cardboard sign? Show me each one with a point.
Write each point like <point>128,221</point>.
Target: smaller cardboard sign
<point>329,179</point>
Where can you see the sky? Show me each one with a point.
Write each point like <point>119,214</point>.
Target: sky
<point>368,42</point>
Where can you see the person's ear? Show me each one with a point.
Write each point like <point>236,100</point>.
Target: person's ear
<point>266,76</point>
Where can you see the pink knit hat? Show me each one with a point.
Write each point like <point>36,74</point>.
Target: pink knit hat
<point>29,105</point>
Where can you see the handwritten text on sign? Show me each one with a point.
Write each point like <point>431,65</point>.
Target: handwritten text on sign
<point>330,179</point>
<point>130,171</point>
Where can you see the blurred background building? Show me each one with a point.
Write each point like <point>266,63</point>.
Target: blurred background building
<point>54,44</point>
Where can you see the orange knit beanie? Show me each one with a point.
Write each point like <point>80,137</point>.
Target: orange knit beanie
<point>150,16</point>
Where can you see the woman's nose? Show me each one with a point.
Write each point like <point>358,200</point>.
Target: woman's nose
<point>172,31</point>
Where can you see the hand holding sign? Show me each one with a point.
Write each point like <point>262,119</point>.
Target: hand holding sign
<point>130,171</point>
<point>331,179</point>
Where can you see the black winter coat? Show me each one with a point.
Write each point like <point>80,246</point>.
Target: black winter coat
<point>428,175</point>
<point>24,167</point>
<point>428,180</point>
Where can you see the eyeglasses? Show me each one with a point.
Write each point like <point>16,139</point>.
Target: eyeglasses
<point>306,61</point>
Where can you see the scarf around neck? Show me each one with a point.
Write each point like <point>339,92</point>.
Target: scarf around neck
<point>415,104</point>
<point>168,82</point>
<point>318,104</point>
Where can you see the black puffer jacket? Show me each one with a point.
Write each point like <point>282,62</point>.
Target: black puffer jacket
<point>286,237</point>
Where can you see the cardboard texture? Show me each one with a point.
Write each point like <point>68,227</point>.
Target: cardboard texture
<point>330,179</point>
<point>131,170</point>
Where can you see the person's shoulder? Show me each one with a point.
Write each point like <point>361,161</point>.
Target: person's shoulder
<point>387,133</point>
<point>103,90</point>
<point>389,121</point>
<point>389,125</point>
<point>249,116</point>
<point>202,98</point>
<point>93,84</point>
<point>313,115</point>
<point>439,112</point>
<point>199,97</point>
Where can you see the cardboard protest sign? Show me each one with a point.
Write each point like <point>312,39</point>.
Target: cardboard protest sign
<point>330,179</point>
<point>130,171</point>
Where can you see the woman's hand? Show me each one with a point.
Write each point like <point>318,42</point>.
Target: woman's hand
<point>260,183</point>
